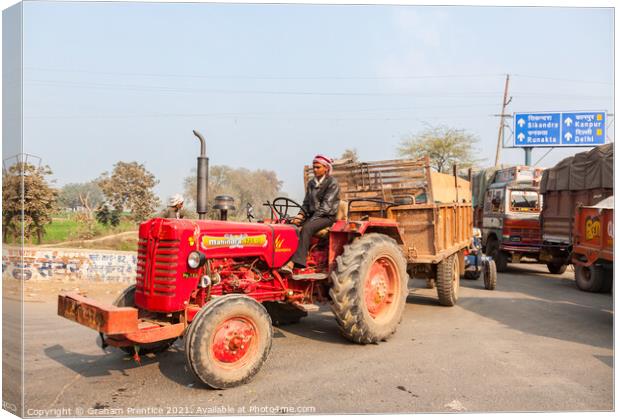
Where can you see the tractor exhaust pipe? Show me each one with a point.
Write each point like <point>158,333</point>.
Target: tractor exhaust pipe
<point>202,172</point>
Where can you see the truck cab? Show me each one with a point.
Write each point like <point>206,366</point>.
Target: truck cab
<point>511,216</point>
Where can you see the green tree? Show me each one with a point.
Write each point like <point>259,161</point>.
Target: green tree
<point>444,146</point>
<point>130,186</point>
<point>244,185</point>
<point>28,201</point>
<point>105,215</point>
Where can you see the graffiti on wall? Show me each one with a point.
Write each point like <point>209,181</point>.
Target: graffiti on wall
<point>93,265</point>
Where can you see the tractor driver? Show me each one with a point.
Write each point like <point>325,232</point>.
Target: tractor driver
<point>320,205</point>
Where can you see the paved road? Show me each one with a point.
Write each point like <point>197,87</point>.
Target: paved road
<point>534,344</point>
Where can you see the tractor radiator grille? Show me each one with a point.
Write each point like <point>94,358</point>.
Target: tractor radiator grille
<point>157,276</point>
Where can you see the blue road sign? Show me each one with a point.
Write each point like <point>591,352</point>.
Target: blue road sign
<point>583,128</point>
<point>557,129</point>
<point>538,129</point>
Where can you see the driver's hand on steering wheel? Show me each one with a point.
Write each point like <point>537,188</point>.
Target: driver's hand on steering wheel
<point>298,219</point>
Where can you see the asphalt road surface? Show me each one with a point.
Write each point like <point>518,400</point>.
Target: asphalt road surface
<point>536,343</point>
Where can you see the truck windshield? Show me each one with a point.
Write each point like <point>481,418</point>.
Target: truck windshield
<point>527,201</point>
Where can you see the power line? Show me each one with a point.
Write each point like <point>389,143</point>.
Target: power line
<point>561,79</point>
<point>247,77</point>
<point>169,89</point>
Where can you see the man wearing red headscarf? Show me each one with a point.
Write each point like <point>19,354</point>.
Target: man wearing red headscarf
<point>320,205</point>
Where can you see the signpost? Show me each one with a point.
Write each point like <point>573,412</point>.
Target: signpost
<point>558,129</point>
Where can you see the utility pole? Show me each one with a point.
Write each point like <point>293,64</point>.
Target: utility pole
<point>500,136</point>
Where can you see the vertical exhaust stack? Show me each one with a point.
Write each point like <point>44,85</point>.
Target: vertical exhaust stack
<point>202,172</point>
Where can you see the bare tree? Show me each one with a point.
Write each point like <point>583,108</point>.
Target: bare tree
<point>244,185</point>
<point>445,147</point>
<point>86,195</point>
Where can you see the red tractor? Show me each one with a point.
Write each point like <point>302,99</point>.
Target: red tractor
<point>217,285</point>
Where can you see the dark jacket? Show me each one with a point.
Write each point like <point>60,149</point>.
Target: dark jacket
<point>322,201</point>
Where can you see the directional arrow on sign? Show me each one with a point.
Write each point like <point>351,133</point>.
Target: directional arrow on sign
<point>568,121</point>
<point>521,137</point>
<point>568,136</point>
<point>521,122</point>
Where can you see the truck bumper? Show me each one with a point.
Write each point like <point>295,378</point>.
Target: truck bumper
<point>121,325</point>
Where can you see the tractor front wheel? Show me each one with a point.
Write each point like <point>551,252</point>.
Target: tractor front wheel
<point>228,341</point>
<point>369,288</point>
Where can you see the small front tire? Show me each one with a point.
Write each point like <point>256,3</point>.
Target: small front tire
<point>228,341</point>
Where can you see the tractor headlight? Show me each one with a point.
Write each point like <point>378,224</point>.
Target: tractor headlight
<point>196,259</point>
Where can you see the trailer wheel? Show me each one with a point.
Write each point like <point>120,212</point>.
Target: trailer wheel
<point>127,299</point>
<point>369,288</point>
<point>589,278</point>
<point>500,258</point>
<point>282,313</point>
<point>448,280</point>
<point>490,274</point>
<point>228,341</point>
<point>556,268</point>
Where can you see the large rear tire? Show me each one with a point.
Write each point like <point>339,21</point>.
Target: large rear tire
<point>589,278</point>
<point>228,341</point>
<point>556,268</point>
<point>369,288</point>
<point>448,280</point>
<point>127,299</point>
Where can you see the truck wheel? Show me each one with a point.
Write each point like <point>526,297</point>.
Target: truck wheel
<point>500,258</point>
<point>448,280</point>
<point>490,275</point>
<point>282,313</point>
<point>228,341</point>
<point>589,278</point>
<point>127,299</point>
<point>556,268</point>
<point>369,288</point>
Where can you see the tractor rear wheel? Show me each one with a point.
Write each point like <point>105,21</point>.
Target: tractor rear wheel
<point>556,268</point>
<point>369,288</point>
<point>448,280</point>
<point>490,274</point>
<point>589,278</point>
<point>228,341</point>
<point>127,299</point>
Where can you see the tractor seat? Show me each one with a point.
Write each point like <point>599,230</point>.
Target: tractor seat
<point>340,215</point>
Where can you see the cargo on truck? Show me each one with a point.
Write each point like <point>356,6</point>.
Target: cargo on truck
<point>570,189</point>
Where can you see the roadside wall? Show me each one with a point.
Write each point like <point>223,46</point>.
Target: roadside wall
<point>41,264</point>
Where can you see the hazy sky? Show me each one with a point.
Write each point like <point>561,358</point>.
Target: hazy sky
<point>270,86</point>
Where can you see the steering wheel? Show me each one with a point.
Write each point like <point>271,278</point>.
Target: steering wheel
<point>281,205</point>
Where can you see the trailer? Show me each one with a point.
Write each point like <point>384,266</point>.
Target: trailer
<point>433,212</point>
